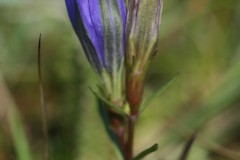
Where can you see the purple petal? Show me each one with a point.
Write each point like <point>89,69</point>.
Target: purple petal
<point>122,8</point>
<point>100,26</point>
<point>77,23</point>
<point>72,12</point>
<point>123,12</point>
<point>91,17</point>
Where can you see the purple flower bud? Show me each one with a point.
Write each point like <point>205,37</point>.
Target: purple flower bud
<point>99,25</point>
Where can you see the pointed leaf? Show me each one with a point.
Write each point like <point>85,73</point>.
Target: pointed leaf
<point>146,152</point>
<point>43,102</point>
<point>158,92</point>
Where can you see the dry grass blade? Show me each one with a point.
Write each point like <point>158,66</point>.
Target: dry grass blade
<point>43,104</point>
<point>187,147</point>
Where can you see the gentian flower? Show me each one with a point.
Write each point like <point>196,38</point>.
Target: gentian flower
<point>108,36</point>
<point>142,28</point>
<point>100,25</point>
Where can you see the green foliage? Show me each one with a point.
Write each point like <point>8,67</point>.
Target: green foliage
<point>146,152</point>
<point>21,144</point>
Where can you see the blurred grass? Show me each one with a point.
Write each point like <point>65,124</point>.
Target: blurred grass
<point>198,39</point>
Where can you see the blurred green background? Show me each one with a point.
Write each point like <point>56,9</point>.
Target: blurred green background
<point>200,39</point>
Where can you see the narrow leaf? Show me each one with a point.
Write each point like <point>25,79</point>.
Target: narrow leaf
<point>21,144</point>
<point>146,152</point>
<point>43,103</point>
<point>158,92</point>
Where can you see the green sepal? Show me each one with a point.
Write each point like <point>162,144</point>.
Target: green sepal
<point>109,104</point>
<point>158,92</point>
<point>146,152</point>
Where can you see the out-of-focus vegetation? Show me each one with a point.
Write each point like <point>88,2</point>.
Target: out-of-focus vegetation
<point>200,39</point>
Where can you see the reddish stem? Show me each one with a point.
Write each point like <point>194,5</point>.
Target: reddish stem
<point>130,140</point>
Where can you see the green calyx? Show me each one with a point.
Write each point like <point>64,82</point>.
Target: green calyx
<point>112,86</point>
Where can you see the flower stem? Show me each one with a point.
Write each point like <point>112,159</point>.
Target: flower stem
<point>130,140</point>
